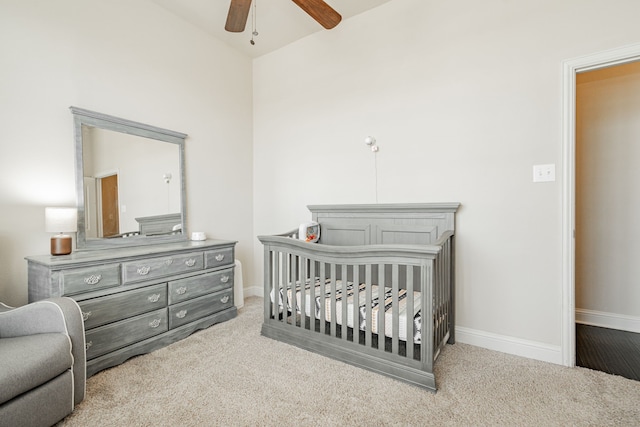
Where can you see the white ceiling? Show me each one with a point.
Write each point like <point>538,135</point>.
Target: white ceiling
<point>278,22</point>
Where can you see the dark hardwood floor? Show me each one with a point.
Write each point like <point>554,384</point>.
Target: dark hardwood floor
<point>608,350</point>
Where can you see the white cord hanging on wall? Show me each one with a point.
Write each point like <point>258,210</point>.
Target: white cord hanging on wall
<point>371,142</point>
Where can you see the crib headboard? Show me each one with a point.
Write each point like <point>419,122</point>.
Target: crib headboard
<point>367,224</point>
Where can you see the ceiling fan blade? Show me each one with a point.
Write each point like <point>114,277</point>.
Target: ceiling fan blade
<point>321,12</point>
<point>238,14</point>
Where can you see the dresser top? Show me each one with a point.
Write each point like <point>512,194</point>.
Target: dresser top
<point>119,254</point>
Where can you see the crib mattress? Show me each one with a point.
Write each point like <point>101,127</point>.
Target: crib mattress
<point>351,294</point>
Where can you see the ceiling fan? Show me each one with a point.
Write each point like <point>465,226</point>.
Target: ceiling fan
<point>317,9</point>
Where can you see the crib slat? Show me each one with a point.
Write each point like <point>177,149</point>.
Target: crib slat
<point>447,288</point>
<point>368,323</point>
<point>436,301</point>
<point>312,295</point>
<point>268,280</point>
<point>285,286</point>
<point>443,289</point>
<point>426,295</point>
<point>440,331</point>
<point>395,306</point>
<point>276,285</point>
<point>356,299</point>
<point>294,289</point>
<point>302,274</point>
<point>451,321</point>
<point>332,309</point>
<point>381,304</point>
<point>323,303</point>
<point>345,304</point>
<point>443,292</point>
<point>302,277</point>
<point>410,312</point>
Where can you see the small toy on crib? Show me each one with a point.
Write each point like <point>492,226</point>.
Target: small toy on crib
<point>309,232</point>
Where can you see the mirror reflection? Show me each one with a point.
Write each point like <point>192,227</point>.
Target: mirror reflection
<point>129,182</point>
<point>131,185</point>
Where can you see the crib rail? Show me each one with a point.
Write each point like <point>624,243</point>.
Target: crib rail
<point>387,308</point>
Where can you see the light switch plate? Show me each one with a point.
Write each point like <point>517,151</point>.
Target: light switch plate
<point>544,173</point>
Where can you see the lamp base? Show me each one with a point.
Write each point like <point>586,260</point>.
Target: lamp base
<point>61,244</point>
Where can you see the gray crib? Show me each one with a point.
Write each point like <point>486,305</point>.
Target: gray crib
<point>360,293</point>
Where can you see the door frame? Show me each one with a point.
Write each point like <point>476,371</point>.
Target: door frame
<point>570,68</point>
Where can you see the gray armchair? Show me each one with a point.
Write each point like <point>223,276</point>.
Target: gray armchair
<point>42,362</point>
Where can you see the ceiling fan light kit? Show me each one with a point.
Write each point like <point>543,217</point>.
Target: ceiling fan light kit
<point>324,14</point>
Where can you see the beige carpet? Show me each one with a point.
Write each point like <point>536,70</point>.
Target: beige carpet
<point>229,375</point>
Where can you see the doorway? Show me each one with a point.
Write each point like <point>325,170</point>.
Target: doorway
<point>571,69</point>
<point>109,205</point>
<point>607,205</point>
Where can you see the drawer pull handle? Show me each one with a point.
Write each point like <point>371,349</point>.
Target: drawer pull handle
<point>224,279</point>
<point>85,315</point>
<point>155,323</point>
<point>219,257</point>
<point>88,345</point>
<point>154,298</point>
<point>93,279</point>
<point>143,271</point>
<point>190,262</point>
<point>181,290</point>
<point>168,262</point>
<point>224,299</point>
<point>181,314</point>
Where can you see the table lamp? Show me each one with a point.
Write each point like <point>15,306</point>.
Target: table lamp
<point>60,220</point>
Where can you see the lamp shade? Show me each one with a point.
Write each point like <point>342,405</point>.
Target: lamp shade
<point>59,220</point>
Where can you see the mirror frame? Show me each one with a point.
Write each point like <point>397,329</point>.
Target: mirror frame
<point>103,121</point>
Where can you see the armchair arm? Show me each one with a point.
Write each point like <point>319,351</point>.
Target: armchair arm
<point>53,315</point>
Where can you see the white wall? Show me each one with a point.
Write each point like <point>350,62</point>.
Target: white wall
<point>129,59</point>
<point>607,196</point>
<point>463,98</point>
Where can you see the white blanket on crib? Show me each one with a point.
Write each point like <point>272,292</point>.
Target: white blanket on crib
<point>323,291</point>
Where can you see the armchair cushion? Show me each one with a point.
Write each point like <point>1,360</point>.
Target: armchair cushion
<point>42,362</point>
<point>30,361</point>
<point>35,318</point>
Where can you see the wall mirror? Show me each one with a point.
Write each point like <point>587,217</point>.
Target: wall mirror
<point>129,181</point>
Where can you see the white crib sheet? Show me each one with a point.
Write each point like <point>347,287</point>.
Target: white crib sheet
<point>324,292</point>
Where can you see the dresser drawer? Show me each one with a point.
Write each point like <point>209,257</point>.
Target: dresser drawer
<point>90,278</point>
<point>188,311</point>
<point>192,287</point>
<point>111,308</point>
<point>218,257</point>
<point>150,268</point>
<point>120,334</point>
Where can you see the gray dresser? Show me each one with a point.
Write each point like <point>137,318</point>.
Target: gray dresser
<point>136,300</point>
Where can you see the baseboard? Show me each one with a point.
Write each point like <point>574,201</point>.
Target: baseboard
<point>254,291</point>
<point>510,345</point>
<point>608,320</point>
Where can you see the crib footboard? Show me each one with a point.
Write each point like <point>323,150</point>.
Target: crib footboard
<point>386,308</point>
